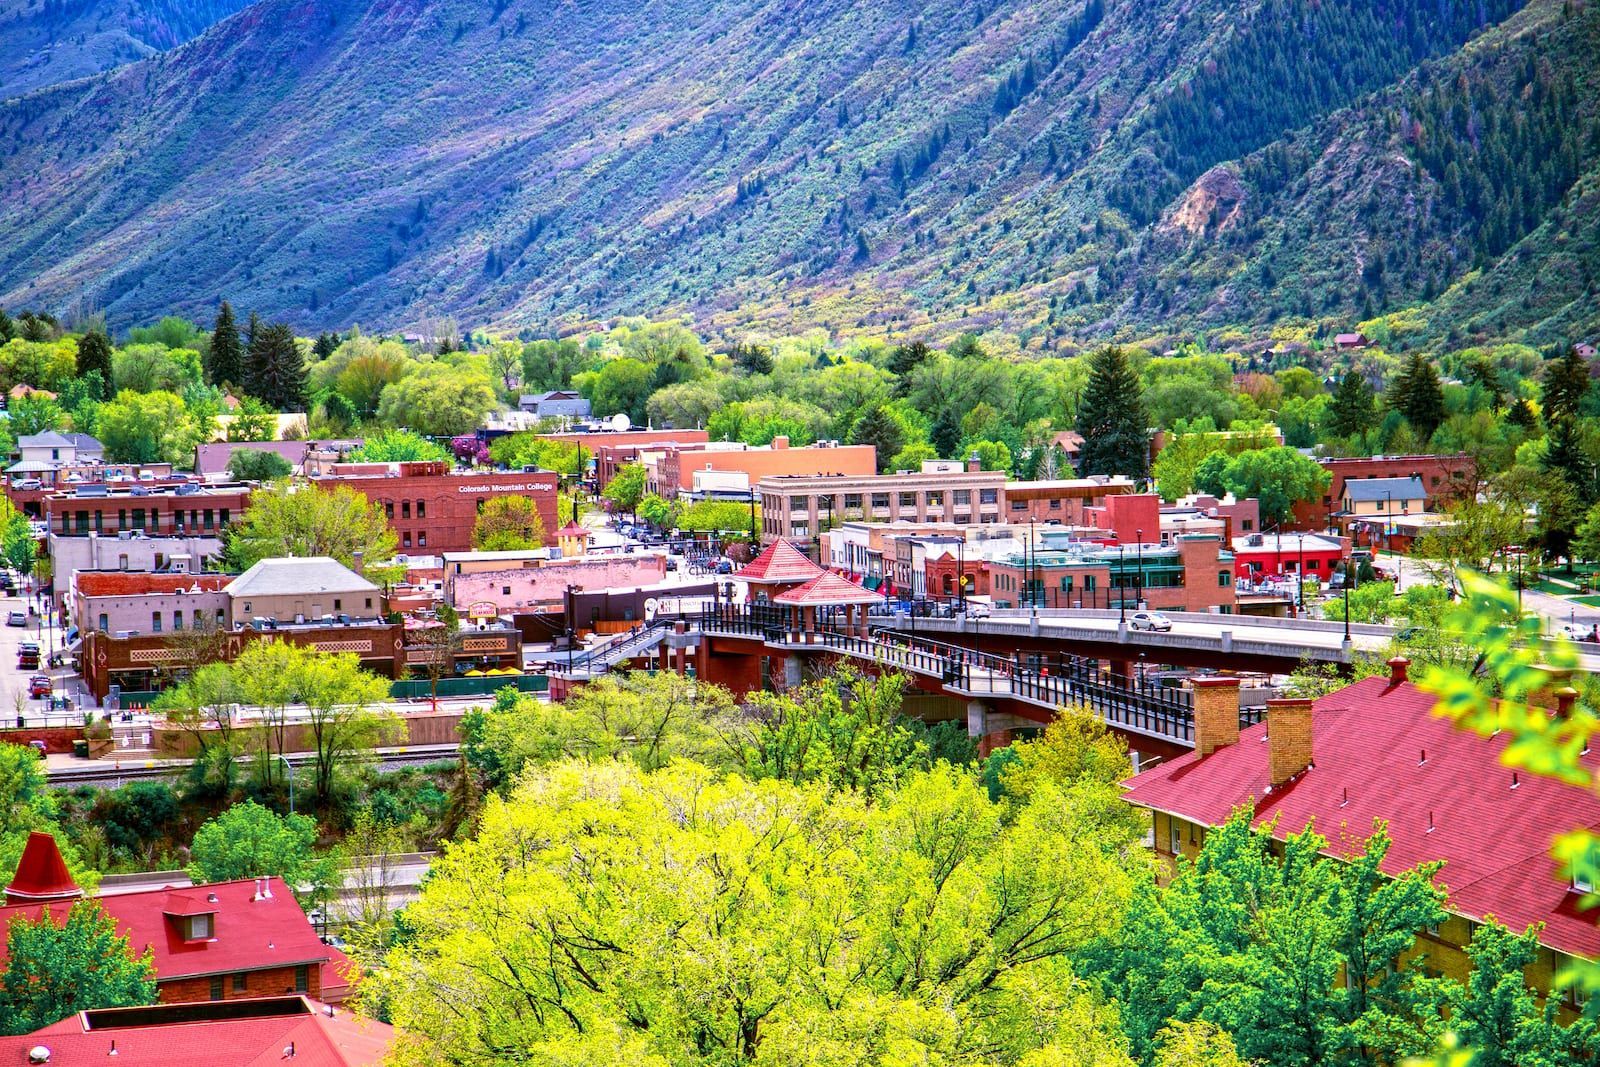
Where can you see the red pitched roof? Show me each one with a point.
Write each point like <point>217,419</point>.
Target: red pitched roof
<point>827,588</point>
<point>780,563</point>
<point>41,874</point>
<point>248,934</point>
<point>1379,753</point>
<point>235,1033</point>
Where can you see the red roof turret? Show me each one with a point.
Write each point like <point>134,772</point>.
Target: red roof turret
<point>780,563</point>
<point>42,874</point>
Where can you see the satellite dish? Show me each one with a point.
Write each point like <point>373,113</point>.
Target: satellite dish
<point>620,422</point>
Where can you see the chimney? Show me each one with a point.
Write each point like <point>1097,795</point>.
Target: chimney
<point>780,441</point>
<point>1216,714</point>
<point>358,562</point>
<point>974,463</point>
<point>1566,697</point>
<point>1398,666</point>
<point>1289,737</point>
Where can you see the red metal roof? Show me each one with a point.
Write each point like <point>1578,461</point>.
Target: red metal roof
<point>210,1035</point>
<point>1379,753</point>
<point>41,875</point>
<point>137,583</point>
<point>780,563</point>
<point>826,588</point>
<point>248,934</point>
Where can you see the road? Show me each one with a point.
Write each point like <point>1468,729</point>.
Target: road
<point>67,771</point>
<point>14,699</point>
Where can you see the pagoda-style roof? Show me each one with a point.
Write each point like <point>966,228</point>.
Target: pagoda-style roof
<point>42,874</point>
<point>825,590</point>
<point>780,563</point>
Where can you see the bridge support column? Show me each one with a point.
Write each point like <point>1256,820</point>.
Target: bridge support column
<point>1123,669</point>
<point>792,673</point>
<point>977,718</point>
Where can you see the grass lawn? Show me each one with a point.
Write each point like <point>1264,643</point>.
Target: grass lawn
<point>1587,601</point>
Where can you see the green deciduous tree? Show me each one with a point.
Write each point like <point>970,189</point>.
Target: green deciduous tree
<point>35,413</point>
<point>507,524</point>
<point>399,446</point>
<point>284,520</point>
<point>683,917</point>
<point>54,971</point>
<point>626,487</point>
<point>250,841</point>
<point>225,366</point>
<point>257,465</point>
<point>1256,944</point>
<point>438,400</point>
<point>155,368</point>
<point>147,428</point>
<point>1112,418</point>
<point>1277,477</point>
<point>620,385</point>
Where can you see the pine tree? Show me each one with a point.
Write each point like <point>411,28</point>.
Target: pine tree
<point>94,354</point>
<point>1418,396</point>
<point>326,344</point>
<point>1112,418</point>
<point>880,429</point>
<point>226,360</point>
<point>1566,456</point>
<point>1353,410</point>
<point>8,328</point>
<point>1564,385</point>
<point>276,371</point>
<point>1521,414</point>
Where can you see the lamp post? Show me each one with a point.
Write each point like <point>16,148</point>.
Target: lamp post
<point>288,774</point>
<point>1141,670</point>
<point>1138,578</point>
<point>753,540</point>
<point>1347,579</point>
<point>1122,597</point>
<point>961,573</point>
<point>1300,577</point>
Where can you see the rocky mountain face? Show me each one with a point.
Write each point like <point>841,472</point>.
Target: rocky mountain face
<point>1061,171</point>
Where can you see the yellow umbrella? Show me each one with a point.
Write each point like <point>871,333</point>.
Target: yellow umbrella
<point>474,674</point>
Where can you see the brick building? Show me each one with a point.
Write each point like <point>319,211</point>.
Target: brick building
<point>1445,478</point>
<point>1275,554</point>
<point>188,554</point>
<point>678,469</point>
<point>28,483</point>
<point>224,941</point>
<point>110,508</point>
<point>1374,752</point>
<point>434,508</point>
<point>613,449</point>
<point>1066,500</point>
<point>1194,572</point>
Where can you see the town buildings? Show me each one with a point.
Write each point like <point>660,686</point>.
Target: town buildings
<point>189,553</point>
<point>1374,752</point>
<point>54,447</point>
<point>730,469</point>
<point>1277,554</point>
<point>434,508</point>
<point>1444,478</point>
<point>609,450</point>
<point>212,458</point>
<point>555,404</point>
<point>108,509</point>
<point>224,941</point>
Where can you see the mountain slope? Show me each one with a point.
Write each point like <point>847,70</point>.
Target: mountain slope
<point>53,41</point>
<point>1059,170</point>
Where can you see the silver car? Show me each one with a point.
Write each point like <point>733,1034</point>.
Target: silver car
<point>1149,620</point>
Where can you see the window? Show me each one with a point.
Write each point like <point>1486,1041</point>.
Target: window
<point>1224,579</point>
<point>880,500</point>
<point>505,590</point>
<point>155,622</point>
<point>405,509</point>
<point>1246,524</point>
<point>422,539</point>
<point>1088,583</point>
<point>223,518</point>
<point>852,500</point>
<point>240,981</point>
<point>369,602</point>
<point>216,988</point>
<point>936,499</point>
<point>908,500</point>
<point>988,496</point>
<point>388,509</point>
<point>405,540</point>
<point>962,497</point>
<point>422,509</point>
<point>302,979</point>
<point>1019,505</point>
<point>105,623</point>
<point>200,927</point>
<point>1055,505</point>
<point>1174,835</point>
<point>177,620</point>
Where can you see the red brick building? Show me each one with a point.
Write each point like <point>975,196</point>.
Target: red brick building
<point>190,508</point>
<point>1195,572</point>
<point>433,508</point>
<point>614,449</point>
<point>1446,478</point>
<point>224,941</point>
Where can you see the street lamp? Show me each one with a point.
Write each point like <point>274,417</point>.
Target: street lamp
<point>1347,580</point>
<point>1141,670</point>
<point>1138,578</point>
<point>753,541</point>
<point>1122,588</point>
<point>288,774</point>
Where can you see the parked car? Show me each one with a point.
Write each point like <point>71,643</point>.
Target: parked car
<point>672,563</point>
<point>1149,620</point>
<point>40,686</point>
<point>1577,631</point>
<point>724,566</point>
<point>978,607</point>
<point>16,618</point>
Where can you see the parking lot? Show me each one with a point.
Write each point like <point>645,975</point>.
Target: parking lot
<point>14,698</point>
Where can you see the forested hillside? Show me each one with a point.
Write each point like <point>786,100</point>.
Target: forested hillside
<point>44,42</point>
<point>1062,172</point>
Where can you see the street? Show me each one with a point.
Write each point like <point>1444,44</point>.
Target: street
<point>14,699</point>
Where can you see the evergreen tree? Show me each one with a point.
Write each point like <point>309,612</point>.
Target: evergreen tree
<point>1418,397</point>
<point>1565,382</point>
<point>226,360</point>
<point>8,329</point>
<point>1112,419</point>
<point>276,372</point>
<point>883,431</point>
<point>1522,414</point>
<point>1353,410</point>
<point>94,355</point>
<point>1565,455</point>
<point>325,346</point>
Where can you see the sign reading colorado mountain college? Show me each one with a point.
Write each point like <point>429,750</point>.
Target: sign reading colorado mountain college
<point>519,487</point>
